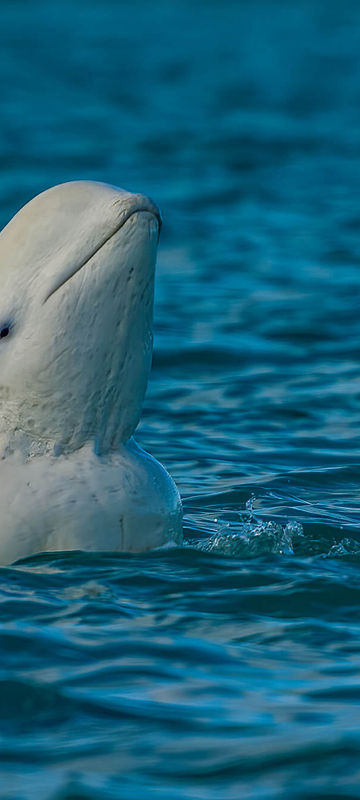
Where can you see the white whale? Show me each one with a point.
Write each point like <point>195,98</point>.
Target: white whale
<point>76,300</point>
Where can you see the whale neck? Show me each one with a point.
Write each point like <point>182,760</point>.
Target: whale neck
<point>27,444</point>
<point>23,445</point>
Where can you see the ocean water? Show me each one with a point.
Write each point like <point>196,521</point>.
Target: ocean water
<point>229,668</point>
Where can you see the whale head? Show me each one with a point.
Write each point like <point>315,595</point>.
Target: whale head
<point>76,301</point>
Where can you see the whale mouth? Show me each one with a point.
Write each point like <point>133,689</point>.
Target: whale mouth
<point>147,206</point>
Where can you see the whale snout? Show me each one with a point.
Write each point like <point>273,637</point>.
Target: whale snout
<point>111,210</point>
<point>133,204</point>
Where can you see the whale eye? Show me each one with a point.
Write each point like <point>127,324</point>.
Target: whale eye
<point>4,331</point>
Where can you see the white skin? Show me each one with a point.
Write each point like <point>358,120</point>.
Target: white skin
<point>76,299</point>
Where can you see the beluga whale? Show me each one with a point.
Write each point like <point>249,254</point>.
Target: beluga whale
<point>76,305</point>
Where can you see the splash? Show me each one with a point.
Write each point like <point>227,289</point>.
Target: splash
<point>251,541</point>
<point>243,535</point>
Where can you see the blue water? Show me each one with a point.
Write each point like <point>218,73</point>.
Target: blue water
<point>229,668</point>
